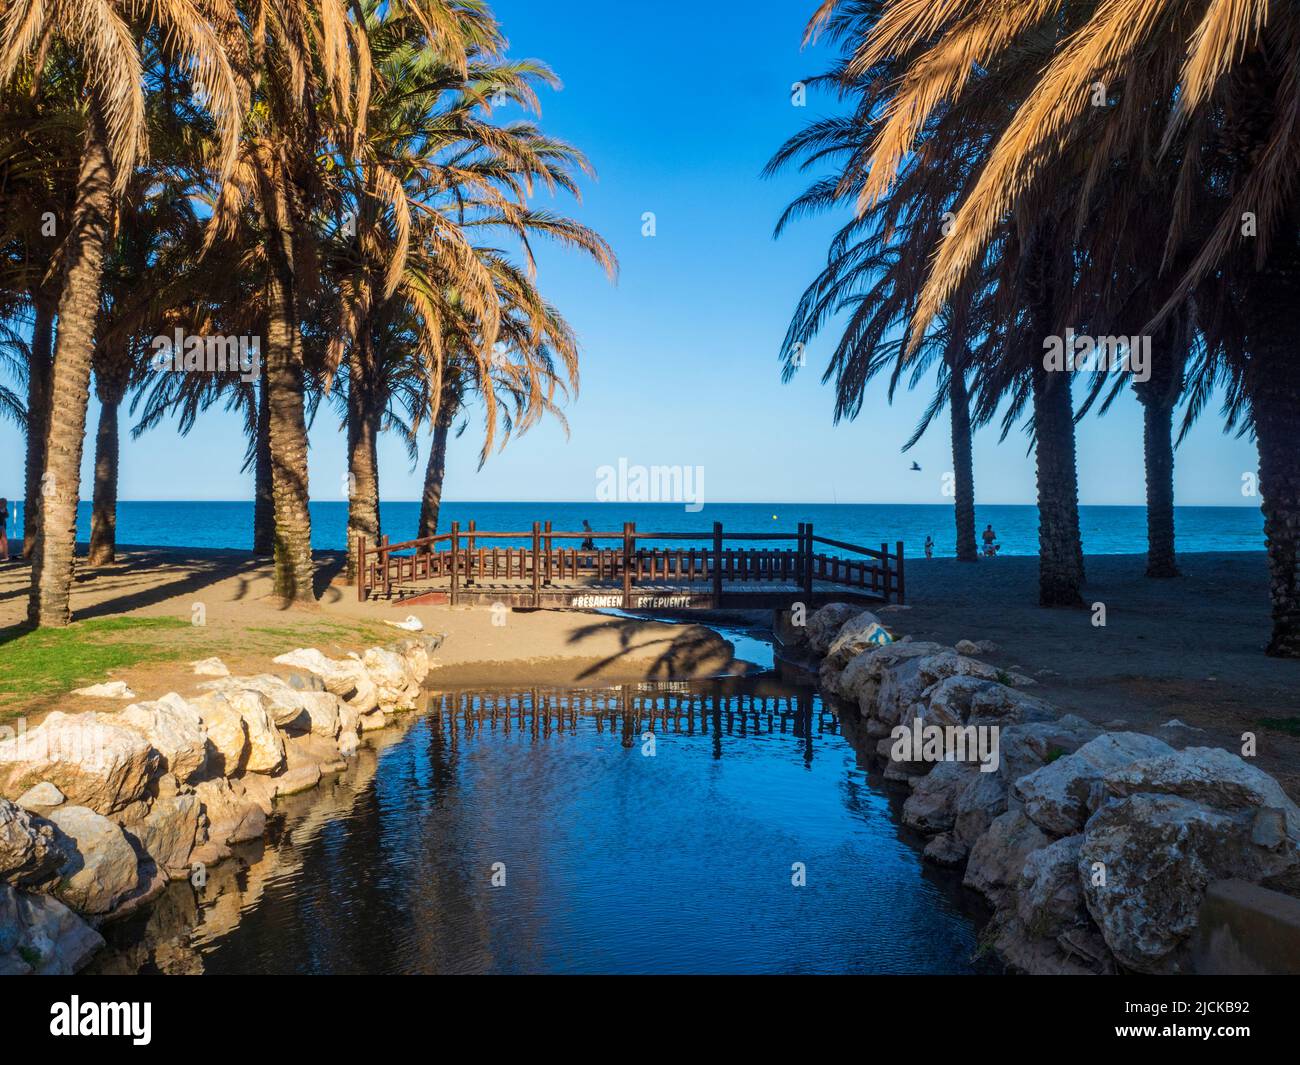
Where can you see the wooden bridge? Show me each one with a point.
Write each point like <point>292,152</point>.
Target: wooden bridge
<point>644,571</point>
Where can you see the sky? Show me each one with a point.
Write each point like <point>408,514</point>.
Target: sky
<point>679,107</point>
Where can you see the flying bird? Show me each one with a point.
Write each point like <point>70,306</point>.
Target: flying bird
<point>916,467</point>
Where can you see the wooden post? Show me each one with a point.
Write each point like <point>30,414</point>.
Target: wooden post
<point>884,563</point>
<point>549,547</point>
<point>383,561</point>
<point>717,565</point>
<point>628,546</point>
<point>469,557</point>
<point>361,569</point>
<point>537,569</point>
<point>901,590</point>
<point>455,561</point>
<point>808,565</point>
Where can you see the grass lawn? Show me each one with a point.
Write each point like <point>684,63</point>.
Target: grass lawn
<point>38,666</point>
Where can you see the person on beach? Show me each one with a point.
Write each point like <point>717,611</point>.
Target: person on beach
<point>588,544</point>
<point>990,548</point>
<point>929,547</point>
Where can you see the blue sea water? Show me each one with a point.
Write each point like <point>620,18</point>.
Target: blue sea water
<point>1106,530</point>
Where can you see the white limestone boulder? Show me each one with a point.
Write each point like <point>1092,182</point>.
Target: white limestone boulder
<point>101,869</point>
<point>1056,795</point>
<point>30,852</point>
<point>175,730</point>
<point>93,759</point>
<point>39,934</point>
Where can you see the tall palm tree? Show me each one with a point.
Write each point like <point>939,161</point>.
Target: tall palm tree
<point>101,33</point>
<point>1229,76</point>
<point>432,172</point>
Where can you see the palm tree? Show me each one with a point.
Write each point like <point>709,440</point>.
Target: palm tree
<point>1229,78</point>
<point>101,32</point>
<point>432,171</point>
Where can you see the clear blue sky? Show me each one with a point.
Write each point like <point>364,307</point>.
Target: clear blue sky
<point>679,107</point>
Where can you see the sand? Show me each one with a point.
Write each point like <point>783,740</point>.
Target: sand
<point>1189,649</point>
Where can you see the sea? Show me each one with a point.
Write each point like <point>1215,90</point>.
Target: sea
<point>1107,530</point>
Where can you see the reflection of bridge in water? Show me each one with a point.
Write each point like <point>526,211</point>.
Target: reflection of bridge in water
<point>715,709</point>
<point>644,571</point>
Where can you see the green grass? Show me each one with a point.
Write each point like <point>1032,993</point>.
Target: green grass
<point>47,662</point>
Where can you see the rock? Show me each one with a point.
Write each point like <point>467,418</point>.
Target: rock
<point>30,852</point>
<point>348,742</point>
<point>858,634</point>
<point>901,687</point>
<point>1056,795</point>
<point>978,805</point>
<point>261,790</point>
<point>323,712</point>
<point>345,678</point>
<point>265,744</point>
<point>210,667</point>
<point>949,663</point>
<point>998,856</point>
<point>175,730</point>
<point>967,647</point>
<point>396,688</point>
<point>945,850</point>
<point>113,689</point>
<point>824,624</point>
<point>44,796</point>
<point>860,679</point>
<point>169,833</point>
<point>92,759</point>
<point>232,816</point>
<point>40,934</point>
<point>285,703</point>
<point>931,807</point>
<point>1049,899</point>
<point>995,703</point>
<point>417,659</point>
<point>1158,854</point>
<point>226,731</point>
<point>292,781</point>
<point>101,868</point>
<point>1209,775</point>
<point>373,721</point>
<point>1023,748</point>
<point>1173,722</point>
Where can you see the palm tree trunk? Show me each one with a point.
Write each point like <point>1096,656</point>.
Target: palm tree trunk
<point>363,432</point>
<point>431,501</point>
<point>263,496</point>
<point>52,561</point>
<point>1158,447</point>
<point>286,415</point>
<point>1275,403</point>
<point>38,413</point>
<point>963,466</point>
<point>103,520</point>
<point>1060,547</point>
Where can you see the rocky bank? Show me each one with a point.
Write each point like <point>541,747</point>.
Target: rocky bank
<point>99,810</point>
<point>1094,846</point>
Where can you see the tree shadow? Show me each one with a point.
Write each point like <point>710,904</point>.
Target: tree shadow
<point>685,653</point>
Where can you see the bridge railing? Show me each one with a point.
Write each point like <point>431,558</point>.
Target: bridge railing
<point>462,558</point>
